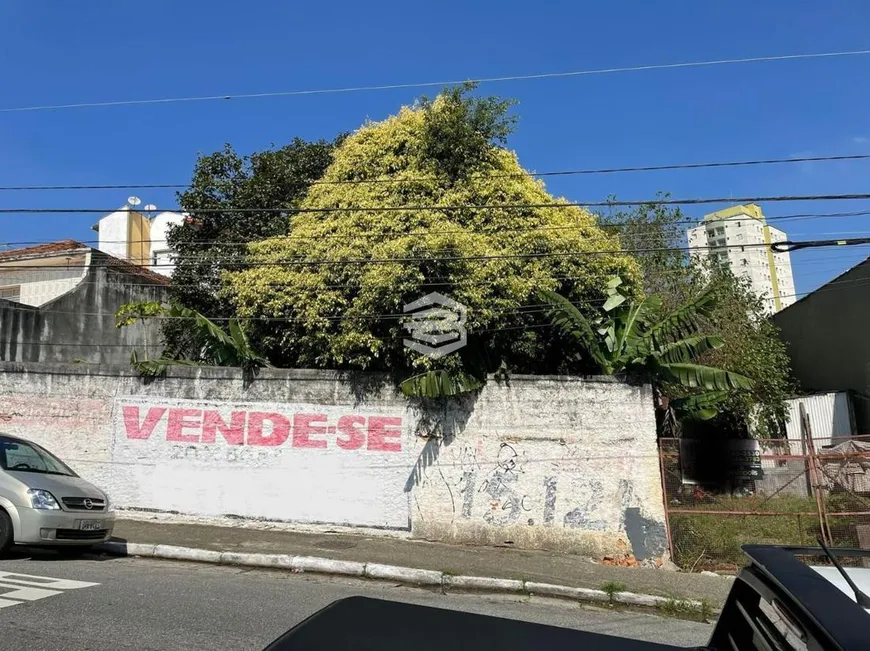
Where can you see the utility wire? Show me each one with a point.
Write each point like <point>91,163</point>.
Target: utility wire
<point>427,84</point>
<point>520,310</point>
<point>300,261</point>
<point>602,223</point>
<point>447,207</point>
<point>580,172</point>
<point>433,281</point>
<point>787,246</point>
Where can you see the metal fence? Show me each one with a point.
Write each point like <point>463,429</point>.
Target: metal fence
<point>773,491</point>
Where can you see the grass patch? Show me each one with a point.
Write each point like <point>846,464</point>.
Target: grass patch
<point>708,541</point>
<point>677,608</point>
<point>611,588</point>
<point>685,609</point>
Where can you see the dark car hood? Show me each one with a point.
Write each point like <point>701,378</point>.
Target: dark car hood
<point>58,485</point>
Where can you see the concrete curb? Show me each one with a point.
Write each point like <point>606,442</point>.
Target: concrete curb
<point>394,573</point>
<point>482,584</point>
<point>403,574</point>
<point>326,566</point>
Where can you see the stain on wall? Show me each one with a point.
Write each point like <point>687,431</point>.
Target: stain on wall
<point>647,537</point>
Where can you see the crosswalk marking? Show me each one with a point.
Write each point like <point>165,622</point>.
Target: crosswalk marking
<point>17,588</point>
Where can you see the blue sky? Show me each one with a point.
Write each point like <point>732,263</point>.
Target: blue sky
<point>54,52</point>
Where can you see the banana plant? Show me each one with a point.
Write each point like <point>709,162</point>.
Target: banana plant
<point>465,373</point>
<point>636,337</point>
<point>207,344</point>
<point>439,384</point>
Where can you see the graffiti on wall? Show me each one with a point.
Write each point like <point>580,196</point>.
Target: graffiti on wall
<point>296,462</point>
<point>529,483</point>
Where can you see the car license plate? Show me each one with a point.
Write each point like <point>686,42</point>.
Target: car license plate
<point>91,525</point>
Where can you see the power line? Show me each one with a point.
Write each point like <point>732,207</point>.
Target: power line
<point>448,207</point>
<point>434,281</point>
<point>428,84</point>
<point>788,246</point>
<point>520,310</point>
<point>606,170</point>
<point>302,261</point>
<point>602,223</point>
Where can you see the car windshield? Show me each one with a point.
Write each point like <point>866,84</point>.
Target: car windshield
<point>29,457</point>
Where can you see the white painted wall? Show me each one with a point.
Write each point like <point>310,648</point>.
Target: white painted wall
<point>161,254</point>
<point>40,285</point>
<point>301,462</point>
<point>546,462</point>
<point>114,232</point>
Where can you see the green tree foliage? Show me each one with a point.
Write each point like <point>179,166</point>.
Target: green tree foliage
<point>655,235</point>
<point>662,347</point>
<point>209,243</point>
<point>752,347</point>
<point>331,294</point>
<point>458,133</point>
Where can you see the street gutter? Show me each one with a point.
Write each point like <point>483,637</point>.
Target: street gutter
<point>408,576</point>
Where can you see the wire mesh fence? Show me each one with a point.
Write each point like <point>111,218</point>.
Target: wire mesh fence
<point>722,495</point>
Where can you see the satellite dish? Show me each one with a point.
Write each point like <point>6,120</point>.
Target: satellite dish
<point>150,208</point>
<point>133,201</point>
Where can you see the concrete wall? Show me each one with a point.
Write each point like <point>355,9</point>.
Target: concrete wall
<point>80,324</point>
<point>114,233</point>
<point>546,462</point>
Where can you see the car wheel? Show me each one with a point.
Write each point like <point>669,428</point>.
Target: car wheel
<point>7,536</point>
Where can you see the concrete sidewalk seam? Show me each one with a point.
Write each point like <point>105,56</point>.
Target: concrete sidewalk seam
<point>398,574</point>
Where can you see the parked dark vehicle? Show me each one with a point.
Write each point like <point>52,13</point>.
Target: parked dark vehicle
<point>777,603</point>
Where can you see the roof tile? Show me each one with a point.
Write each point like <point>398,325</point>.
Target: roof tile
<point>50,247</point>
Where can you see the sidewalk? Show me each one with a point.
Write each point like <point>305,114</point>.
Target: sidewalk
<point>497,562</point>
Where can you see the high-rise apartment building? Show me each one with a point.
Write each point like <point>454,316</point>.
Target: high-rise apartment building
<point>740,239</point>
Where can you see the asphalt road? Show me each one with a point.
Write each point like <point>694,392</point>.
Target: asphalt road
<point>141,604</point>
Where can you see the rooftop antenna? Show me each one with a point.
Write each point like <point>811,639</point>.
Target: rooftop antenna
<point>133,201</point>
<point>150,208</point>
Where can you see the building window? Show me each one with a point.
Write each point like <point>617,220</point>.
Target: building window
<point>11,293</point>
<point>161,257</point>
